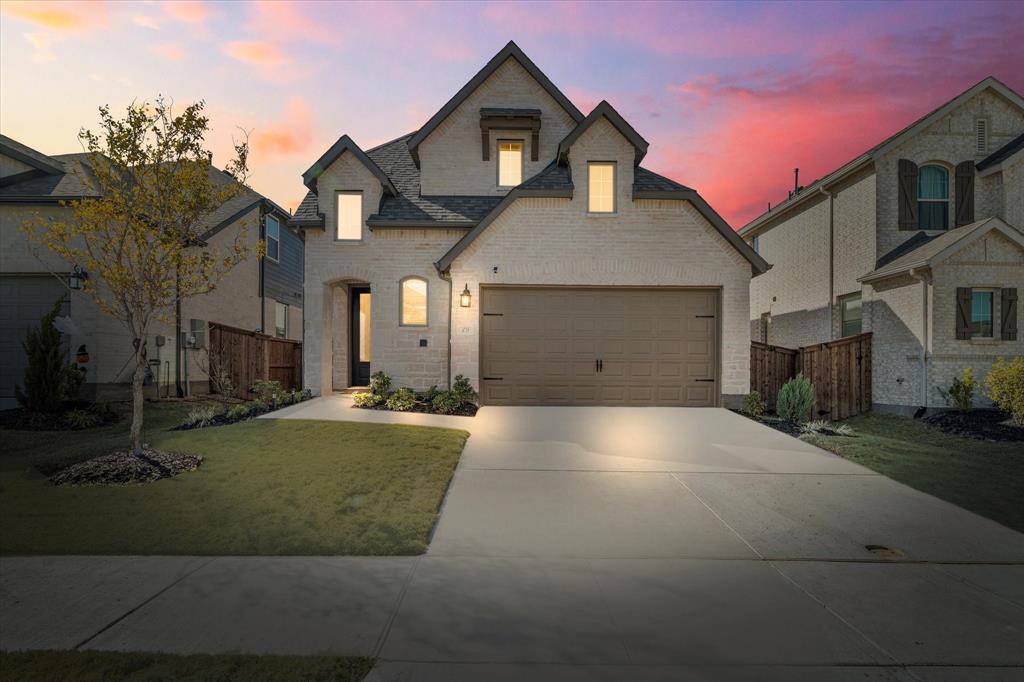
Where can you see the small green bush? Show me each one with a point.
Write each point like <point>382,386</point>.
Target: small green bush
<point>463,391</point>
<point>305,394</point>
<point>367,399</point>
<point>199,417</point>
<point>960,393</point>
<point>239,412</point>
<point>49,379</point>
<point>796,398</point>
<point>827,428</point>
<point>81,419</point>
<point>430,394</point>
<point>1004,384</point>
<point>266,391</point>
<point>446,402</point>
<point>380,384</point>
<point>402,400</point>
<point>753,404</point>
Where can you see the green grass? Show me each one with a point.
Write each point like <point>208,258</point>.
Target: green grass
<point>99,666</point>
<point>274,487</point>
<point>984,477</point>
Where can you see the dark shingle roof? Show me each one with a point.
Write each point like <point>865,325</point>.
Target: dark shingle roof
<point>919,239</point>
<point>308,211</point>
<point>68,184</point>
<point>27,155</point>
<point>554,177</point>
<point>648,181</point>
<point>1003,153</point>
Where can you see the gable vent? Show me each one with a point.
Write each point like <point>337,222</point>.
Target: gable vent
<point>981,135</point>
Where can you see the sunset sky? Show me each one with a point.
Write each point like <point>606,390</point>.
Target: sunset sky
<point>731,96</point>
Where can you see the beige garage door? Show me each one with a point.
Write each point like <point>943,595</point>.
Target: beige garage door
<point>598,346</point>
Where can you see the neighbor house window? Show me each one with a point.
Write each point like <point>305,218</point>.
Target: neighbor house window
<point>755,243</point>
<point>851,315</point>
<point>413,304</point>
<point>933,198</point>
<point>273,238</point>
<point>510,163</point>
<point>280,320</point>
<point>981,314</point>
<point>601,183</point>
<point>349,215</point>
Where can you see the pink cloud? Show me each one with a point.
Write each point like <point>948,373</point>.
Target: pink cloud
<point>188,11</point>
<point>255,52</point>
<point>63,17</point>
<point>287,21</point>
<point>170,51</point>
<point>292,135</point>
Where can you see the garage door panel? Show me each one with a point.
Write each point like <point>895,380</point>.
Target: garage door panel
<point>545,345</point>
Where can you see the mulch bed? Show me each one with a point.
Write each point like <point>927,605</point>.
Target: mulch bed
<point>786,427</point>
<point>21,420</point>
<point>991,425</point>
<point>426,408</point>
<point>121,467</point>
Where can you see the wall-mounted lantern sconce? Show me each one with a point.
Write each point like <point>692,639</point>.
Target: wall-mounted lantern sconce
<point>465,298</point>
<point>77,278</point>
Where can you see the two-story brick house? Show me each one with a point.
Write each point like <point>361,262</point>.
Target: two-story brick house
<point>263,294</point>
<point>518,242</point>
<point>917,240</point>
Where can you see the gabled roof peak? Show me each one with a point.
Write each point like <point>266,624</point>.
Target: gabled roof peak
<point>345,144</point>
<point>25,154</point>
<point>607,111</point>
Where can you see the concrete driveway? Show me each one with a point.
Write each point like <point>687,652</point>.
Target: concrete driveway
<point>593,544</point>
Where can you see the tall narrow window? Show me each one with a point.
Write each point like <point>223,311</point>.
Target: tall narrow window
<point>350,215</point>
<point>280,320</point>
<point>981,314</point>
<point>510,163</point>
<point>413,304</point>
<point>273,238</point>
<point>933,198</point>
<point>851,315</point>
<point>601,185</point>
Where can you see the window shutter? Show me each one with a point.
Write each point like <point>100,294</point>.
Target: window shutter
<point>964,193</point>
<point>908,194</point>
<point>963,313</point>
<point>1008,314</point>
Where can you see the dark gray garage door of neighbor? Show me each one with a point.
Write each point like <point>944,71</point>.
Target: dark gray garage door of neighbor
<point>598,346</point>
<point>24,299</point>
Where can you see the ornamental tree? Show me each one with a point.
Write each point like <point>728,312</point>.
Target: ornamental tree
<point>138,229</point>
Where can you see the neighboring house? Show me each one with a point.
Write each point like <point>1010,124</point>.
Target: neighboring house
<point>256,294</point>
<point>518,242</point>
<point>917,240</point>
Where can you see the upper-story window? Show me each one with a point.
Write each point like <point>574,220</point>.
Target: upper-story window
<point>273,238</point>
<point>601,187</point>
<point>933,198</point>
<point>510,163</point>
<point>413,303</point>
<point>981,314</point>
<point>349,215</point>
<point>851,315</point>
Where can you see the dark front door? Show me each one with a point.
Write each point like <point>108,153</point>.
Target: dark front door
<point>360,326</point>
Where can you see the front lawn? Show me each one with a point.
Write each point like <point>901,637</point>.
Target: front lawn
<point>274,487</point>
<point>982,476</point>
<point>98,666</point>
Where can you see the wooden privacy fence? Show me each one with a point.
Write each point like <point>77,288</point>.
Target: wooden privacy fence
<point>249,356</point>
<point>840,371</point>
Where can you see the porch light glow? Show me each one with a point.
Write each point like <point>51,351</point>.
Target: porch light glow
<point>465,298</point>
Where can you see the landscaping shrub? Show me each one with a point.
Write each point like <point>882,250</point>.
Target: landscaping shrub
<point>49,379</point>
<point>430,394</point>
<point>753,404</point>
<point>266,391</point>
<point>237,413</point>
<point>796,398</point>
<point>1005,386</point>
<point>402,400</point>
<point>367,399</point>
<point>960,393</point>
<point>827,428</point>
<point>380,384</point>
<point>446,402</point>
<point>463,391</point>
<point>82,419</point>
<point>199,417</point>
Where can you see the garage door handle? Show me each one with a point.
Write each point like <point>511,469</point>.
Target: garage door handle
<point>706,317</point>
<point>493,378</point>
<point>494,314</point>
<point>709,381</point>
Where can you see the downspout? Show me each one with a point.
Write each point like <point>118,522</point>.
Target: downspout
<point>923,279</point>
<point>177,332</point>
<point>831,262</point>
<point>261,234</point>
<point>448,278</point>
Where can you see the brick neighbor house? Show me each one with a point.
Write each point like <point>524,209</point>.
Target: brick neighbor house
<point>518,242</point>
<point>917,240</point>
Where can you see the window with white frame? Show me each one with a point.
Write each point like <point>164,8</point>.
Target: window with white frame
<point>273,238</point>
<point>981,314</point>
<point>349,215</point>
<point>851,315</point>
<point>280,320</point>
<point>601,187</point>
<point>510,163</point>
<point>933,198</point>
<point>413,303</point>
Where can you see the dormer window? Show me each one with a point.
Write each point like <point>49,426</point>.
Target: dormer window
<point>601,187</point>
<point>349,216</point>
<point>510,163</point>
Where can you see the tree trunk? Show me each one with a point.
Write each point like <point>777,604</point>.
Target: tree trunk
<point>137,402</point>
